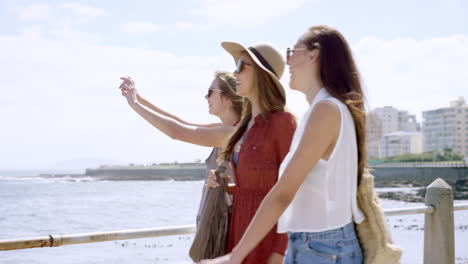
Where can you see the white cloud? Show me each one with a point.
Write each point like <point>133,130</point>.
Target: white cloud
<point>414,75</point>
<point>61,15</point>
<point>84,10</point>
<point>148,27</point>
<point>60,101</point>
<point>213,14</point>
<point>184,26</point>
<point>245,12</point>
<point>82,13</point>
<point>142,27</point>
<point>36,12</point>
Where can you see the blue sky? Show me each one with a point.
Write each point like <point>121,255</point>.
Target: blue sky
<point>61,63</point>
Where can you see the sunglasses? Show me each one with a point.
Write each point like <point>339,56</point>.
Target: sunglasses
<point>240,66</point>
<point>210,92</point>
<point>290,52</point>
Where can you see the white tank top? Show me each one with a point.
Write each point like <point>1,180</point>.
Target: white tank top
<point>327,198</point>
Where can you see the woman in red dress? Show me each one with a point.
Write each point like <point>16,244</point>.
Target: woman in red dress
<point>259,145</point>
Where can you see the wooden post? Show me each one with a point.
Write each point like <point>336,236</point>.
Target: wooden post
<point>438,226</point>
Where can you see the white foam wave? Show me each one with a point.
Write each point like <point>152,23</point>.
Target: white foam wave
<point>45,179</point>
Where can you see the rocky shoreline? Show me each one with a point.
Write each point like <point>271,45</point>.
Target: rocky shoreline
<point>459,187</point>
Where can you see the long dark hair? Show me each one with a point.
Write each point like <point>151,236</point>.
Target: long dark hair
<point>270,99</point>
<point>340,77</point>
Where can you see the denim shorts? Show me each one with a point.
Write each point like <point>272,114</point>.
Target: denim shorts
<point>339,246</point>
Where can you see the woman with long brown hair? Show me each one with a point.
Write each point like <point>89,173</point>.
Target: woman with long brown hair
<point>259,145</point>
<point>315,199</point>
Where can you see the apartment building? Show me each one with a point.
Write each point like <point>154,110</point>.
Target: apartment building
<point>387,120</point>
<point>401,142</point>
<point>447,128</point>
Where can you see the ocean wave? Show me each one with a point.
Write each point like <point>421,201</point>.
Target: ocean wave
<point>42,179</point>
<point>79,179</point>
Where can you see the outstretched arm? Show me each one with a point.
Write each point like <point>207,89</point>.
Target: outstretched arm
<point>213,136</point>
<point>158,110</point>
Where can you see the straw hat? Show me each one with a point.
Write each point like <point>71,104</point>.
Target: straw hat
<point>264,55</point>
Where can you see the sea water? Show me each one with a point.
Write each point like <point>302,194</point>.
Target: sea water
<point>32,206</point>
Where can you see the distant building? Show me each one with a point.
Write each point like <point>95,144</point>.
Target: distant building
<point>407,122</point>
<point>401,142</point>
<point>389,117</point>
<point>373,135</point>
<point>384,121</point>
<point>447,128</point>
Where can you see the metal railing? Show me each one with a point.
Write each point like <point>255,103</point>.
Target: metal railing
<point>61,240</point>
<point>438,231</point>
<point>420,164</point>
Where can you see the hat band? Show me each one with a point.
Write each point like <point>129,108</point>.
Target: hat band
<point>262,60</point>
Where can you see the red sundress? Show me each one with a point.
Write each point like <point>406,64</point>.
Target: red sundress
<point>260,156</point>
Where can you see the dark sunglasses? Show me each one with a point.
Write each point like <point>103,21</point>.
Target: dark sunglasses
<point>290,52</point>
<point>240,65</point>
<point>210,92</point>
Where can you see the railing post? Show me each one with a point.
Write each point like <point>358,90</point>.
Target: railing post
<point>438,226</point>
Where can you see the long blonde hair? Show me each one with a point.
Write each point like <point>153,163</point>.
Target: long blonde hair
<point>227,85</point>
